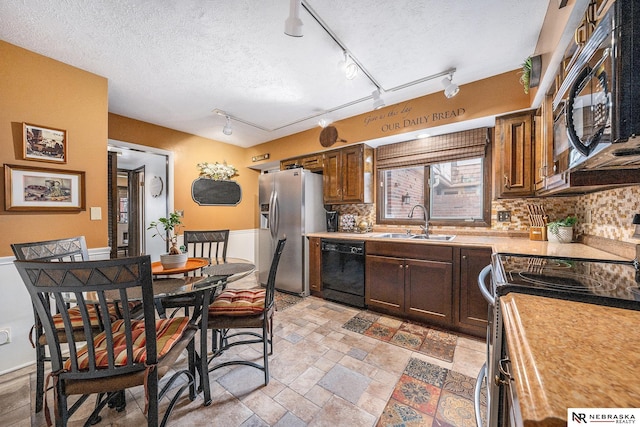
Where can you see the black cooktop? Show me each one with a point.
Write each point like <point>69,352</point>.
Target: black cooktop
<point>613,283</point>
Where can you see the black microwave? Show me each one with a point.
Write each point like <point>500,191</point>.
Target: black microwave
<point>600,97</point>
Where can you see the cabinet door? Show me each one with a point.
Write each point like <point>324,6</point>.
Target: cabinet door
<point>315,278</point>
<point>289,163</point>
<point>384,288</point>
<point>428,291</point>
<point>352,175</point>
<point>473,308</point>
<point>313,163</point>
<point>332,177</point>
<point>515,139</point>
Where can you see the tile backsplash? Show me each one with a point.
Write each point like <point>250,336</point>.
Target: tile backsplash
<point>606,214</point>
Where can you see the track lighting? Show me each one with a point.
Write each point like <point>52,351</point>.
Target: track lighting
<point>227,127</point>
<point>293,24</point>
<point>349,66</point>
<point>378,103</point>
<point>450,88</point>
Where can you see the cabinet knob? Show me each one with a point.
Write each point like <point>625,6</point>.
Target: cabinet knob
<point>464,257</point>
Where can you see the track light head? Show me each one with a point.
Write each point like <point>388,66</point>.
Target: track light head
<point>227,127</point>
<point>378,102</point>
<point>293,24</point>
<point>450,88</point>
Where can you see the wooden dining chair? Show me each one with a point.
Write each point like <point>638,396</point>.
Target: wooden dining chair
<point>71,249</point>
<point>236,314</point>
<point>129,352</point>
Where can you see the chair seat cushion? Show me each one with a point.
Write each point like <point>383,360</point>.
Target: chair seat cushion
<point>240,302</point>
<point>168,332</point>
<point>76,317</point>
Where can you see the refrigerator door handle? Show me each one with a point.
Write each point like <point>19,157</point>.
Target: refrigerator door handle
<point>276,216</point>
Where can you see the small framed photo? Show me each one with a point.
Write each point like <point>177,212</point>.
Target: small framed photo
<point>44,144</point>
<point>28,188</point>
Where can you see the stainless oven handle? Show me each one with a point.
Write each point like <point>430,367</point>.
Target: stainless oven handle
<point>502,367</point>
<point>482,284</point>
<point>477,393</point>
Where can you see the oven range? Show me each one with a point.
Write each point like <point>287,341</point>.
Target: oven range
<point>602,282</point>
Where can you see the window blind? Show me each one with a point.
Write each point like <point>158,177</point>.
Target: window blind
<point>435,149</point>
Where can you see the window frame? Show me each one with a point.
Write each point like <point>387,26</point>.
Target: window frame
<point>485,221</point>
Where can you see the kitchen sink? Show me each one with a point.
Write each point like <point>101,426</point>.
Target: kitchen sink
<point>435,237</point>
<point>439,237</point>
<point>396,236</point>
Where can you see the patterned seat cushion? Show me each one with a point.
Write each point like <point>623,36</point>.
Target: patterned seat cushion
<point>76,318</point>
<point>239,302</point>
<point>168,332</point>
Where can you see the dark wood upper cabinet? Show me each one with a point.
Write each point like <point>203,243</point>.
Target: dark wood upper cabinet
<point>515,155</point>
<point>348,175</point>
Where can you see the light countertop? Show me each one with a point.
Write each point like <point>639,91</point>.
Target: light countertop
<point>499,244</point>
<point>567,354</point>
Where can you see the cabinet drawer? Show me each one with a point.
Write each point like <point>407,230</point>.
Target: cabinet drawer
<point>416,250</point>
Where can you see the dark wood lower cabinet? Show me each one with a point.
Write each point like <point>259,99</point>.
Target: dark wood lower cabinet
<point>442,291</point>
<point>315,273</point>
<point>472,307</point>
<point>428,291</point>
<point>384,286</point>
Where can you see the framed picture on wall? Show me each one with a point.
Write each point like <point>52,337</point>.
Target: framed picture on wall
<point>44,144</point>
<point>28,188</point>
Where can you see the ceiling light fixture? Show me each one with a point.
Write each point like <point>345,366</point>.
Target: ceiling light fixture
<point>293,24</point>
<point>349,66</point>
<point>227,127</point>
<point>378,102</point>
<point>324,122</point>
<point>450,88</point>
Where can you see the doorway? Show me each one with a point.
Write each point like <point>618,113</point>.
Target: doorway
<point>132,204</point>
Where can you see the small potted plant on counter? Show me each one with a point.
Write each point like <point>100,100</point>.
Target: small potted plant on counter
<point>561,231</point>
<point>175,258</point>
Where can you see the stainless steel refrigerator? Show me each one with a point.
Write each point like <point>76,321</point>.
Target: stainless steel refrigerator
<point>290,204</point>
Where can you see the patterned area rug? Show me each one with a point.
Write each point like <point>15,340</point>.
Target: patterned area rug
<point>284,300</point>
<point>428,395</point>
<point>432,342</point>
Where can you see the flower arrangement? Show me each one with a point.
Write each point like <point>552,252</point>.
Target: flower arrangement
<point>217,171</point>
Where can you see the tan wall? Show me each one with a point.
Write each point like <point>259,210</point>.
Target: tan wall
<point>41,91</point>
<point>492,96</point>
<point>189,150</point>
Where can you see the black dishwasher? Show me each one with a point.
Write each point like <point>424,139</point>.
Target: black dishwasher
<point>343,271</point>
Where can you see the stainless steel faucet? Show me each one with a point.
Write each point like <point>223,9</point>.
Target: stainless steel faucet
<point>425,227</point>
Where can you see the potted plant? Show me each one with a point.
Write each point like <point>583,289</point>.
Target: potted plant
<point>561,231</point>
<point>525,74</point>
<point>175,258</point>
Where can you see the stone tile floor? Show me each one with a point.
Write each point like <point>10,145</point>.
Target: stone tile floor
<point>321,375</point>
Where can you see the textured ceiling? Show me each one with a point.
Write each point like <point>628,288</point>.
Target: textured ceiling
<point>172,63</point>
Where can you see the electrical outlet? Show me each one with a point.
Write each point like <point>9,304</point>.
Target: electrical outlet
<point>5,336</point>
<point>504,216</point>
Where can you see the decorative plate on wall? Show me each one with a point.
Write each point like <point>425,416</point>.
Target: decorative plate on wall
<point>208,192</point>
<point>155,186</point>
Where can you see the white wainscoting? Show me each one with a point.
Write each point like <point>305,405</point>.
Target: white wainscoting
<point>16,312</point>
